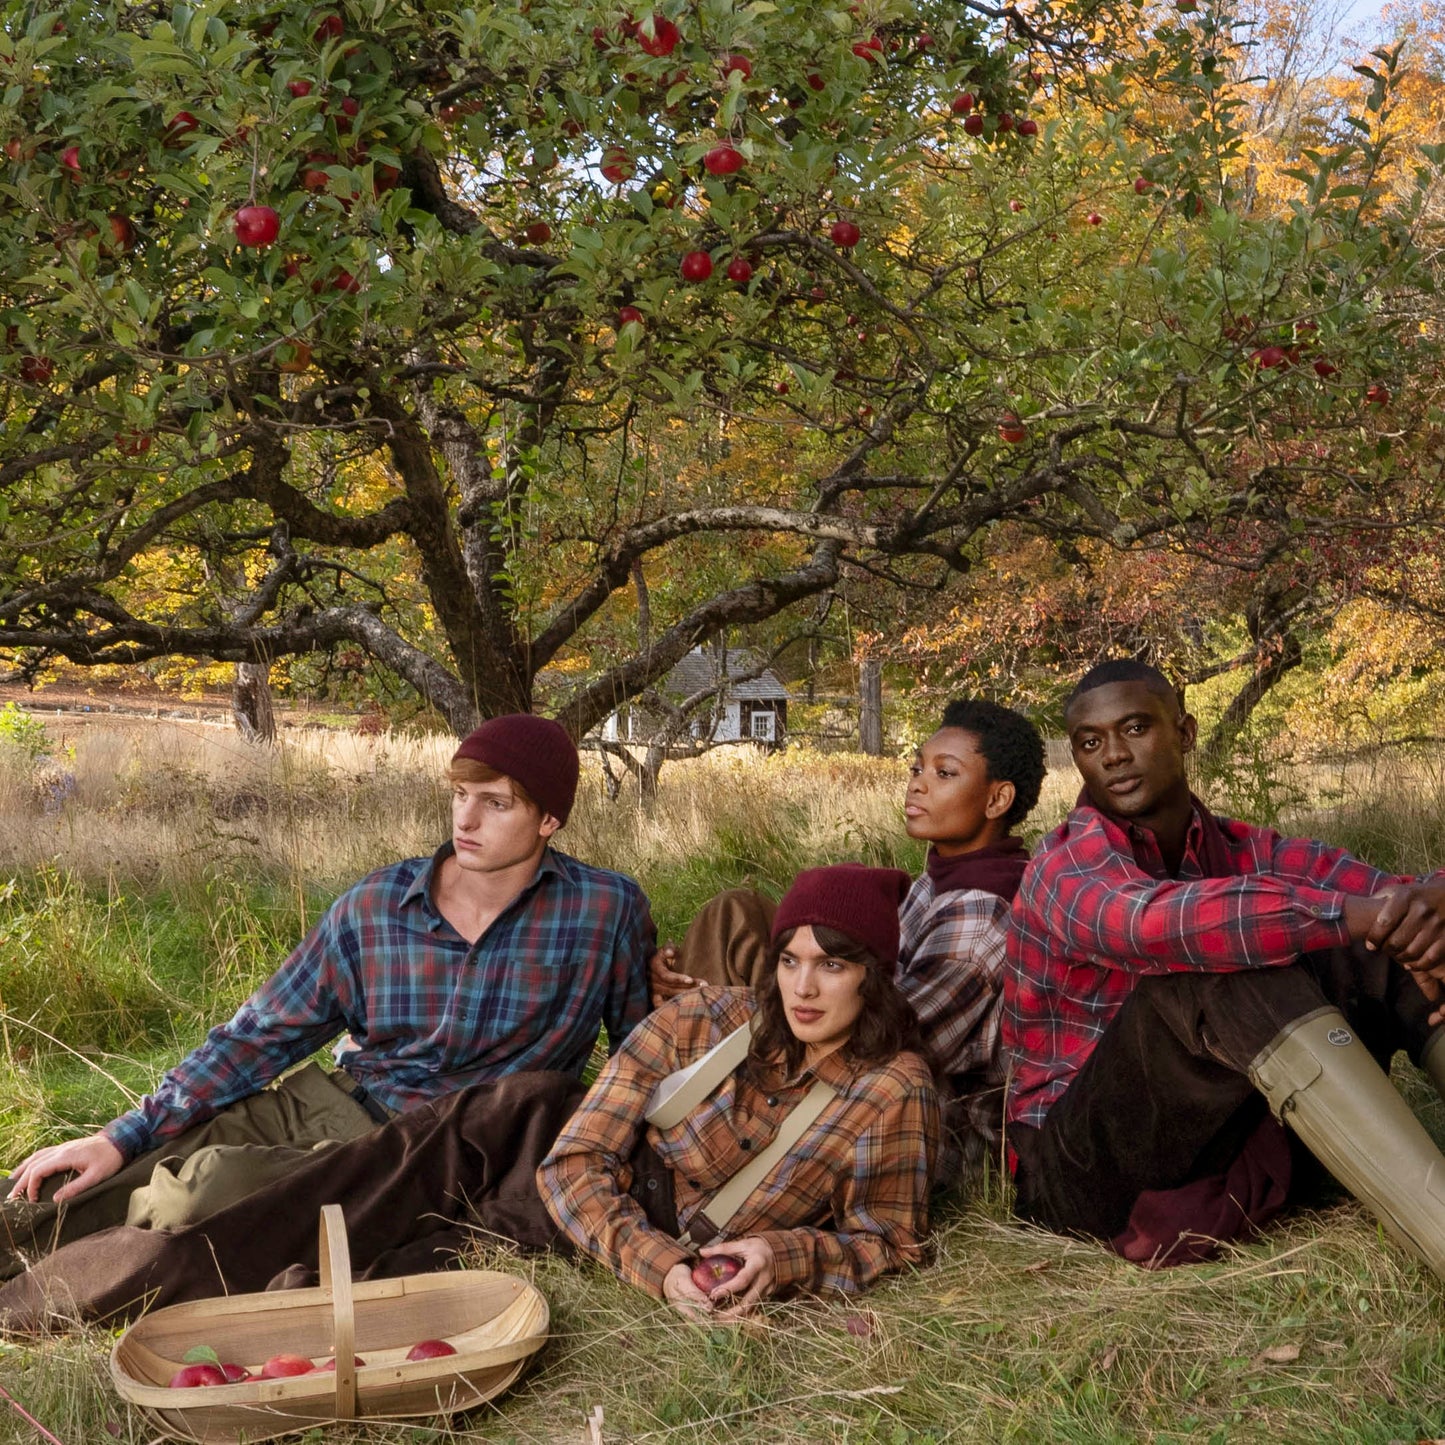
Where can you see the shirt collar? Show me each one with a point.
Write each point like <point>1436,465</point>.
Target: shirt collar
<point>420,889</point>
<point>1143,846</point>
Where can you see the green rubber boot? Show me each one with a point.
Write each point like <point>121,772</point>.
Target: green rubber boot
<point>1432,1061</point>
<point>1324,1083</point>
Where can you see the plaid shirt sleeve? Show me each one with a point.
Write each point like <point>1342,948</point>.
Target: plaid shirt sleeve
<point>581,1179</point>
<point>1101,905</point>
<point>294,1013</point>
<point>880,1204</point>
<point>952,972</point>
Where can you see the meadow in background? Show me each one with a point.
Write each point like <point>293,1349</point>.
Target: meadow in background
<point>155,872</point>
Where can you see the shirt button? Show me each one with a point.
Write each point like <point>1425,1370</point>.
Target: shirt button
<point>745,1143</point>
<point>652,1184</point>
<point>694,1183</point>
<point>773,1101</point>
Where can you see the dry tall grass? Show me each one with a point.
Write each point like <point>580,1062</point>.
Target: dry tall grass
<point>182,864</point>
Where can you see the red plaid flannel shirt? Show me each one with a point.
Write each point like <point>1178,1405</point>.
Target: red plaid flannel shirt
<point>1098,911</point>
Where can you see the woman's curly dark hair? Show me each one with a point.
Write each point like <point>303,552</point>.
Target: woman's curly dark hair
<point>1011,746</point>
<point>886,1027</point>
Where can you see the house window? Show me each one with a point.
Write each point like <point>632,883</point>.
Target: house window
<point>762,726</point>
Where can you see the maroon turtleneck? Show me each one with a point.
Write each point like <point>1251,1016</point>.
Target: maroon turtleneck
<point>997,870</point>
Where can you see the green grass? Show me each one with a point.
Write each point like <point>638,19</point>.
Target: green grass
<point>113,963</point>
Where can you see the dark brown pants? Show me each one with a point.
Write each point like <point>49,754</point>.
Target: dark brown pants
<point>414,1193</point>
<point>1165,1097</point>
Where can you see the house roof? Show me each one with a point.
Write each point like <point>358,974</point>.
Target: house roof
<point>698,671</point>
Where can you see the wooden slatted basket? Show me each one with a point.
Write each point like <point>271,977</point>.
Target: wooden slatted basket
<point>495,1321</point>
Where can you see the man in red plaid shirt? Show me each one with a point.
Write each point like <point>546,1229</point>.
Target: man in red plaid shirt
<point>1174,977</point>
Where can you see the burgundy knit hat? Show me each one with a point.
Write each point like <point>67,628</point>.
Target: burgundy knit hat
<point>859,901</point>
<point>533,751</point>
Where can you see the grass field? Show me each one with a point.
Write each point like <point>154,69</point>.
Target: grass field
<point>159,872</point>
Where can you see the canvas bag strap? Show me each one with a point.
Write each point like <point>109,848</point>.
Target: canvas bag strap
<point>710,1221</point>
<point>676,1096</point>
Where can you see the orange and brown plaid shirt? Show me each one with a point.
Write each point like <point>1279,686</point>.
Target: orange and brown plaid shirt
<point>849,1203</point>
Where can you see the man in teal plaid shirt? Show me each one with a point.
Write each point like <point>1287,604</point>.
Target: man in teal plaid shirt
<point>497,954</point>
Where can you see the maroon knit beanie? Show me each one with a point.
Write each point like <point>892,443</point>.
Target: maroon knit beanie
<point>533,751</point>
<point>859,901</point>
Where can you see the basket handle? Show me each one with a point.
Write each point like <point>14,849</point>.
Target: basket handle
<point>334,1256</point>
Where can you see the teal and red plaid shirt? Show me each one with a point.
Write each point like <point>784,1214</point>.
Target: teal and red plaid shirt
<point>428,1011</point>
<point>1098,911</point>
<point>847,1204</point>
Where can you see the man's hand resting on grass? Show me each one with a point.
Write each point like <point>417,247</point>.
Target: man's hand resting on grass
<point>94,1159</point>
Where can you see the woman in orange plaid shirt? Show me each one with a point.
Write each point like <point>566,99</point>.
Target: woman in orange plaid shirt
<point>849,1199</point>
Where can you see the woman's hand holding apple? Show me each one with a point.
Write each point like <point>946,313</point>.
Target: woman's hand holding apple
<point>754,1281</point>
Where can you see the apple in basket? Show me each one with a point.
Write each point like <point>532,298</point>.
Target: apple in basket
<point>330,1365</point>
<point>279,1366</point>
<point>716,1269</point>
<point>191,1376</point>
<point>430,1350</point>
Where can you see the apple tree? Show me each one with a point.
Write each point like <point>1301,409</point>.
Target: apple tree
<point>432,333</point>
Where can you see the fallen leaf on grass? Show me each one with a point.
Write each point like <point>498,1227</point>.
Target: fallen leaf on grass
<point>1038,1266</point>
<point>1278,1355</point>
<point>1106,1360</point>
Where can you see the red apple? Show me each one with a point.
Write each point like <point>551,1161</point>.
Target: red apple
<point>844,234</point>
<point>278,1367</point>
<point>257,225</point>
<point>1325,368</point>
<point>1005,122</point>
<point>330,1366</point>
<point>739,63</point>
<point>345,281</point>
<point>1010,428</point>
<point>781,387</point>
<point>819,293</point>
<point>695,266</point>
<point>724,159</point>
<point>1028,127</point>
<point>293,357</point>
<point>973,124</point>
<point>37,369</point>
<point>538,233</point>
<point>1269,357</point>
<point>870,49</point>
<point>430,1350</point>
<point>235,1373</point>
<point>1141,185</point>
<point>313,177</point>
<point>616,165</point>
<point>122,232</point>
<point>70,159</point>
<point>1094,218</point>
<point>716,1269</point>
<point>924,41</point>
<point>329,27</point>
<point>1015,206</point>
<point>132,443</point>
<point>740,271</point>
<point>628,316</point>
<point>815,81</point>
<point>180,125</point>
<point>1377,394</point>
<point>962,103</point>
<point>190,1376</point>
<point>299,88</point>
<point>664,38</point>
